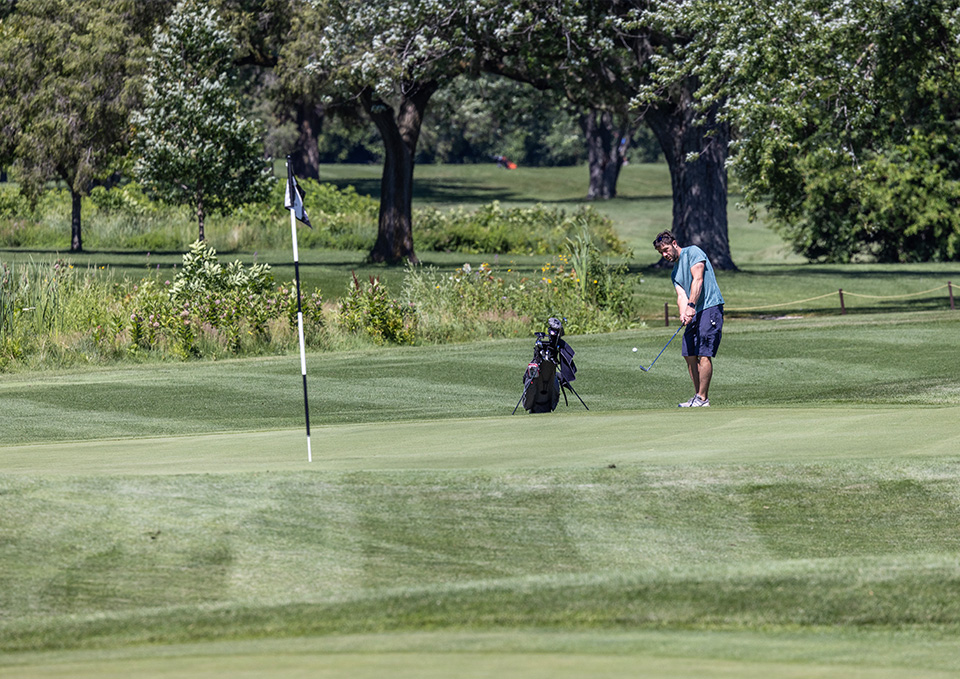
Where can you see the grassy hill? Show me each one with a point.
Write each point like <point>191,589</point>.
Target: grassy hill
<point>166,516</point>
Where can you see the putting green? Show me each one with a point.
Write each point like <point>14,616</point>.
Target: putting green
<point>516,653</point>
<point>523,441</point>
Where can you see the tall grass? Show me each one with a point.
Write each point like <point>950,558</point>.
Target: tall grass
<point>490,301</point>
<point>55,315</point>
<point>46,308</point>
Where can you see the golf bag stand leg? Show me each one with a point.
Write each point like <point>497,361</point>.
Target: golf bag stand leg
<point>570,387</point>
<point>521,398</point>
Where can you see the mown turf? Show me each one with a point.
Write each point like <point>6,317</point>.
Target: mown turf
<point>866,546</point>
<point>813,506</point>
<point>884,359</point>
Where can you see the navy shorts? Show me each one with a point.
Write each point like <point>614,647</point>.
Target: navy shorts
<point>703,333</point>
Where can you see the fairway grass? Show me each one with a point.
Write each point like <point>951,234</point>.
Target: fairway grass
<point>162,520</point>
<point>519,654</point>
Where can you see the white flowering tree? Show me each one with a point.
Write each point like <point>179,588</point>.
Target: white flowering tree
<point>194,144</point>
<point>845,113</point>
<point>389,57</point>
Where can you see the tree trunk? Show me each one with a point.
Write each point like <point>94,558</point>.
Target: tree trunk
<point>76,235</point>
<point>605,153</point>
<point>400,132</point>
<point>305,158</point>
<point>699,185</point>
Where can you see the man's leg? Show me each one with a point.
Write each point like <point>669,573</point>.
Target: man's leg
<point>693,367</point>
<point>705,374</point>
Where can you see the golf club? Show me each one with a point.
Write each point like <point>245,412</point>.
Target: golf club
<point>662,350</point>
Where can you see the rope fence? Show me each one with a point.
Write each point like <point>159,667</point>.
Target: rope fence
<point>840,292</point>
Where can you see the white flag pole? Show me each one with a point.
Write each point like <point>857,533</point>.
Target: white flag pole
<point>303,354</point>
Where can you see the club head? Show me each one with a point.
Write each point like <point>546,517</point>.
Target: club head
<point>646,370</point>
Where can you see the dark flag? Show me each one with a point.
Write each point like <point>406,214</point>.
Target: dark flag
<point>293,199</point>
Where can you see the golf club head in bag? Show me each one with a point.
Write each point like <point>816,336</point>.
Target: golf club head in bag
<point>549,372</point>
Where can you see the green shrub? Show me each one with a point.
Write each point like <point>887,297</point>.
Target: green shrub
<point>232,301</point>
<point>492,230</point>
<point>13,205</point>
<point>368,310</point>
<point>485,301</point>
<point>128,198</point>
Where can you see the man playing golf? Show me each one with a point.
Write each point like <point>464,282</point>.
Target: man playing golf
<point>701,310</point>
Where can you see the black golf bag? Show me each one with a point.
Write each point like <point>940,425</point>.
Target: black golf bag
<point>550,372</point>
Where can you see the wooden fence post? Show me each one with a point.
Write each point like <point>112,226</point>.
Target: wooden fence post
<point>666,314</point>
<point>843,309</point>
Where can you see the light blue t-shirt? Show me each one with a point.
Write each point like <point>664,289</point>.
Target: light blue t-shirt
<point>710,295</point>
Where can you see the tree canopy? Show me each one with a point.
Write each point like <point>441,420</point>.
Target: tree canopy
<point>66,71</point>
<point>600,54</point>
<point>845,116</point>
<point>838,117</point>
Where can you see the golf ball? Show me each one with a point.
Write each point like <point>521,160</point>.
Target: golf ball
<point>634,348</point>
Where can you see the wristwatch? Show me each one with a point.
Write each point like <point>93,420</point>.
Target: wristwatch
<point>692,304</point>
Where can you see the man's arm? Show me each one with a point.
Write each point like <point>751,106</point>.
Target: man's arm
<point>688,304</point>
<point>696,287</point>
<point>681,302</point>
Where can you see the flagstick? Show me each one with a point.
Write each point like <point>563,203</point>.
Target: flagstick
<point>303,355</point>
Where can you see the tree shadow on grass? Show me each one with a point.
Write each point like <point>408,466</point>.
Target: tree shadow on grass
<point>446,190</point>
<point>437,190</point>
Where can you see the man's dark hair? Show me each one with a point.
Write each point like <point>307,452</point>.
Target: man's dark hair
<point>664,237</point>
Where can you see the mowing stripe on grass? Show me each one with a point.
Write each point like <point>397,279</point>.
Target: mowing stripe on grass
<point>568,439</point>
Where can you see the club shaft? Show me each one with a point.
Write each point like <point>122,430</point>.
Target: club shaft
<point>665,346</point>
